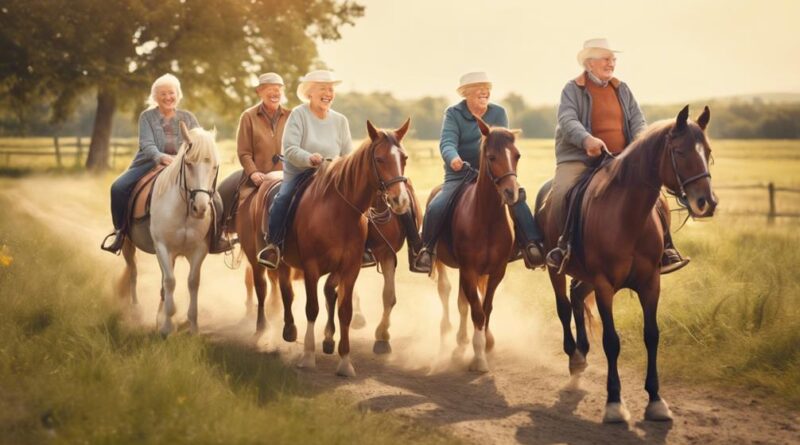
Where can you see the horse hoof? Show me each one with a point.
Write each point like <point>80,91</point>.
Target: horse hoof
<point>261,325</point>
<point>358,321</point>
<point>381,347</point>
<point>327,346</point>
<point>345,368</point>
<point>459,352</point>
<point>308,361</point>
<point>577,363</point>
<point>616,413</point>
<point>658,411</point>
<point>290,333</point>
<point>479,365</point>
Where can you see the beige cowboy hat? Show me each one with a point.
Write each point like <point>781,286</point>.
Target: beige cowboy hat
<point>594,48</point>
<point>472,78</point>
<point>317,76</point>
<point>269,79</point>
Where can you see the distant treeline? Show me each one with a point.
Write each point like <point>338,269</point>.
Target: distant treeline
<point>752,118</point>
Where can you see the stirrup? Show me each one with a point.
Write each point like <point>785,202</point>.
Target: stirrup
<point>267,262</point>
<point>417,266</point>
<point>368,258</point>
<point>558,258</point>
<point>116,245</point>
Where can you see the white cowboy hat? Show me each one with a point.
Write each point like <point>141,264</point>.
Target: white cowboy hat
<point>594,48</point>
<point>471,79</point>
<point>269,79</point>
<point>317,76</point>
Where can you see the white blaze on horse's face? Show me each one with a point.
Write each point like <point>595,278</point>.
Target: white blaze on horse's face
<point>397,194</point>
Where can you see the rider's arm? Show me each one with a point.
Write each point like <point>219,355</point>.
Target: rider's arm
<point>147,139</point>
<point>568,117</point>
<point>345,138</point>
<point>293,153</point>
<point>244,145</point>
<point>449,139</point>
<point>636,120</point>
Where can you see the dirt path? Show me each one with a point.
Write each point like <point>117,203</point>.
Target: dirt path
<point>526,398</point>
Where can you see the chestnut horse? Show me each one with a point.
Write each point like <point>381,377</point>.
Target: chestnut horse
<point>480,238</point>
<point>623,242</point>
<point>329,232</point>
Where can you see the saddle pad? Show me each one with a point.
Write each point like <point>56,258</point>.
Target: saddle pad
<point>269,197</point>
<point>139,204</point>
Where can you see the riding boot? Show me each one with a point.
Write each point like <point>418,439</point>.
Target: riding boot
<point>368,258</point>
<point>413,239</point>
<point>423,262</point>
<point>671,259</point>
<point>116,244</point>
<point>219,242</point>
<point>528,235</point>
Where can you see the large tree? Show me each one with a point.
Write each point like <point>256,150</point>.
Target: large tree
<point>57,50</point>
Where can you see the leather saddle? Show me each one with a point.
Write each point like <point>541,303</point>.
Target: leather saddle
<point>139,201</point>
<point>269,198</point>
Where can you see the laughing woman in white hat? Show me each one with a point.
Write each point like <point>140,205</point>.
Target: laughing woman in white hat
<point>460,143</point>
<point>313,133</point>
<point>597,113</point>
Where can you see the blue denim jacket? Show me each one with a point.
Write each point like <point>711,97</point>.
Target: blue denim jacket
<point>575,118</point>
<point>152,138</point>
<point>461,136</point>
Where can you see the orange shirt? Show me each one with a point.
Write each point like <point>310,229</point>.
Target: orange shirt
<point>606,116</point>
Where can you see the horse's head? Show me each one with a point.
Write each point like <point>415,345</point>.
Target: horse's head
<point>499,157</point>
<point>389,162</point>
<point>199,164</point>
<point>686,173</point>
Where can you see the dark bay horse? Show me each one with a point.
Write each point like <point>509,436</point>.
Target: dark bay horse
<point>480,237</point>
<point>623,242</point>
<point>329,231</point>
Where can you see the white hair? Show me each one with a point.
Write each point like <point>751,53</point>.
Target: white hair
<point>166,79</point>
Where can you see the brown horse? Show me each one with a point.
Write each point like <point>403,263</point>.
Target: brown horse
<point>480,238</point>
<point>623,242</point>
<point>329,233</point>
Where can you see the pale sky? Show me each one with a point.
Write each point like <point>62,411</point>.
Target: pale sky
<point>673,50</point>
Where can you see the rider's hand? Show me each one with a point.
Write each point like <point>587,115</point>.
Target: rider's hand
<point>165,160</point>
<point>315,159</point>
<point>457,164</point>
<point>593,146</point>
<point>257,178</point>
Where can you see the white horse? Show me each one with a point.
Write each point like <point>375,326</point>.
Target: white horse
<point>181,215</point>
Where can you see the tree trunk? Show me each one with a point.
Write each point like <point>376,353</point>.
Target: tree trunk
<point>101,132</point>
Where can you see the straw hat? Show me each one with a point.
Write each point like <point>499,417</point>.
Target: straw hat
<point>472,79</point>
<point>594,48</point>
<point>269,79</point>
<point>318,76</point>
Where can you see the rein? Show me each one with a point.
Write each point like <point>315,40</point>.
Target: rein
<point>681,194</point>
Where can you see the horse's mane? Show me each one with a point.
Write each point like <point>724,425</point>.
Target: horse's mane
<point>203,146</point>
<point>639,162</point>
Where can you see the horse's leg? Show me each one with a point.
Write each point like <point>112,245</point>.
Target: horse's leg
<point>462,340</point>
<point>382,346</point>
<point>348,281</point>
<point>195,266</point>
<point>330,304</point>
<point>274,300</point>
<point>287,295</point>
<point>615,407</point>
<point>564,309</point>
<point>166,261</point>
<point>657,409</point>
<point>260,284</point>
<point>443,287</point>
<point>488,299</point>
<point>468,281</point>
<point>311,278</point>
<point>577,295</point>
<point>249,285</point>
<point>359,321</point>
<point>128,281</point>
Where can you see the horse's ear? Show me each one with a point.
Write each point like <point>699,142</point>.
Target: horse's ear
<point>401,132</point>
<point>517,132</point>
<point>373,133</point>
<point>214,133</point>
<point>185,132</point>
<point>705,116</point>
<point>683,116</point>
<point>482,125</point>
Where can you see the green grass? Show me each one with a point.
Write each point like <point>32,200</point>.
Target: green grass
<point>72,371</point>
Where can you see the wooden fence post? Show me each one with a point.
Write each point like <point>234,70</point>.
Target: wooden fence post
<point>78,151</point>
<point>772,212</point>
<point>58,150</point>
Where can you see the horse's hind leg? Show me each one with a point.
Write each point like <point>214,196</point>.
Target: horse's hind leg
<point>195,266</point>
<point>578,291</point>
<point>358,316</point>
<point>443,287</point>
<point>462,339</point>
<point>382,346</point>
<point>274,300</point>
<point>287,295</point>
<point>249,286</point>
<point>260,284</point>
<point>330,304</point>
<point>564,309</point>
<point>127,284</point>
<point>312,310</point>
<point>657,409</point>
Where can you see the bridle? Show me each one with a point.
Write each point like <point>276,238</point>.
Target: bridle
<point>189,195</point>
<point>682,183</point>
<point>383,186</point>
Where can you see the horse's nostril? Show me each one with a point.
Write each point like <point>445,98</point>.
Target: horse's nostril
<point>701,203</point>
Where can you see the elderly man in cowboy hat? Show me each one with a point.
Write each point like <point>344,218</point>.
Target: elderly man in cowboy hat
<point>460,143</point>
<point>597,113</point>
<point>314,132</point>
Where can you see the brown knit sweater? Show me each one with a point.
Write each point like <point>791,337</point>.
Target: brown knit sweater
<point>606,116</point>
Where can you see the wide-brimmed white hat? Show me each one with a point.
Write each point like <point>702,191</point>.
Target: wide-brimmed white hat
<point>269,79</point>
<point>471,79</point>
<point>317,76</point>
<point>594,48</point>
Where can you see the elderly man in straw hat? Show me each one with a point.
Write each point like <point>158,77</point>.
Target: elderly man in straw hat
<point>258,140</point>
<point>460,143</point>
<point>597,113</point>
<point>314,132</point>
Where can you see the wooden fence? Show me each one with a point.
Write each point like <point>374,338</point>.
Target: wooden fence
<point>772,191</point>
<point>64,148</point>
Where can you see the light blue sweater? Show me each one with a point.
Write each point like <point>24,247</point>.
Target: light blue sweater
<point>306,134</point>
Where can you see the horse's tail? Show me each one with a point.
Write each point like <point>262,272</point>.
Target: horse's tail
<point>123,286</point>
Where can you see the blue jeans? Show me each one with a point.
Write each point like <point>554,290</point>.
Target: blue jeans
<point>279,210</point>
<point>121,191</point>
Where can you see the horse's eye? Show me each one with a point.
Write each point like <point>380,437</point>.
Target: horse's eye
<point>379,160</point>
<point>491,158</point>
